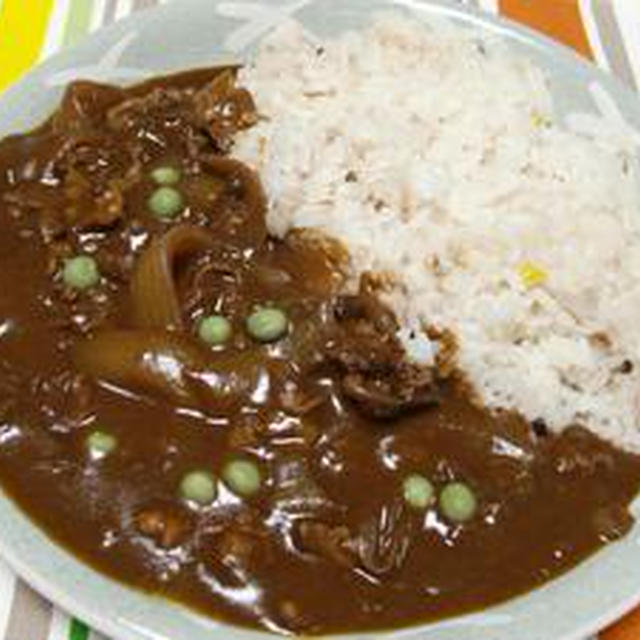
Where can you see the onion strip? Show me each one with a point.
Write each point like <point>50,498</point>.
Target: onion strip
<point>154,299</point>
<point>171,366</point>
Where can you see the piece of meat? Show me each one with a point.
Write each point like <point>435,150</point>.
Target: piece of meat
<point>330,543</point>
<point>234,544</point>
<point>210,115</point>
<point>357,335</point>
<point>43,201</point>
<point>381,545</point>
<point>157,109</point>
<point>377,374</point>
<point>222,109</point>
<point>388,397</point>
<point>368,308</point>
<point>237,547</point>
<point>83,106</point>
<point>247,431</point>
<point>298,402</point>
<point>91,206</point>
<point>166,527</point>
<point>384,540</point>
<point>308,342</point>
<point>65,400</point>
<point>297,492</point>
<point>90,174</point>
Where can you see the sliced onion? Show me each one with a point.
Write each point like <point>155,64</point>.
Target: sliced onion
<point>154,299</point>
<point>173,367</point>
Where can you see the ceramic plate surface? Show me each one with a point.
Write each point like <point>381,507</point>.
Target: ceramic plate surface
<point>194,33</point>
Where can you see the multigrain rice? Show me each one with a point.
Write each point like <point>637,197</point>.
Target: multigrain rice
<point>436,155</point>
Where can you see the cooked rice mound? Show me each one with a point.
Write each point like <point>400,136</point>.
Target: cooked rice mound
<point>436,155</point>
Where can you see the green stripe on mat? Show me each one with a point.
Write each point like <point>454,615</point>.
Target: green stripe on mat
<point>78,21</point>
<point>78,630</point>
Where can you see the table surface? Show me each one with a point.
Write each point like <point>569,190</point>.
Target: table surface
<point>606,31</point>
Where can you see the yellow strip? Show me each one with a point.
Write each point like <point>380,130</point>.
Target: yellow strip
<point>23,27</point>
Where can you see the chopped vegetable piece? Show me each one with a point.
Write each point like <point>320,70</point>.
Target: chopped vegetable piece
<point>101,444</point>
<point>242,477</point>
<point>199,487</point>
<point>214,330</point>
<point>539,120</point>
<point>81,272</point>
<point>166,202</point>
<point>166,175</point>
<point>267,324</point>
<point>417,491</point>
<point>457,502</point>
<point>531,274</point>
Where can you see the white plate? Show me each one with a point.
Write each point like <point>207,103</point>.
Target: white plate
<point>193,33</point>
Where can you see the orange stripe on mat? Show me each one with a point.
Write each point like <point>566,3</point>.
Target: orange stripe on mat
<point>559,19</point>
<point>627,629</point>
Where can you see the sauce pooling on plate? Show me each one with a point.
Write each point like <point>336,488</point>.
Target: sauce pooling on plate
<point>201,411</point>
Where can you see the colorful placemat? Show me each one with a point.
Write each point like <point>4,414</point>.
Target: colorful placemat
<point>606,31</point>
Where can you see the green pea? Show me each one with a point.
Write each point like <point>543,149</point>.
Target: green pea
<point>267,324</point>
<point>166,202</point>
<point>242,477</point>
<point>214,330</point>
<point>81,272</point>
<point>100,444</point>
<point>166,175</point>
<point>417,491</point>
<point>199,487</point>
<point>457,502</point>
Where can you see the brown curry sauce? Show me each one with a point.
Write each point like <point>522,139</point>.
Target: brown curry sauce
<point>331,414</point>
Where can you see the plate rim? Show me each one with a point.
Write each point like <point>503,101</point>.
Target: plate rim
<point>34,574</point>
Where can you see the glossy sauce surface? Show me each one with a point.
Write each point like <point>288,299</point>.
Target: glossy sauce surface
<point>332,416</point>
